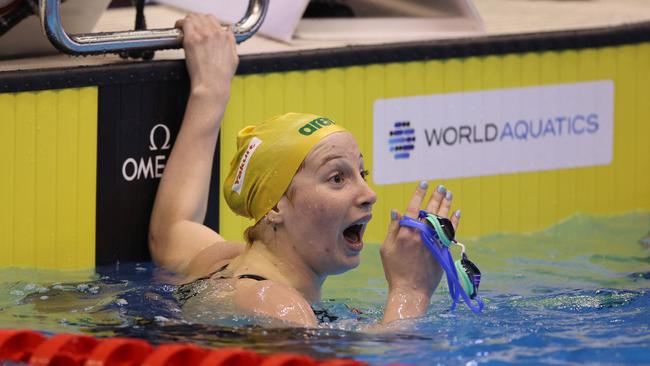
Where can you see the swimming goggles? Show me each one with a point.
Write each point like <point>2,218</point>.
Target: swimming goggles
<point>463,276</point>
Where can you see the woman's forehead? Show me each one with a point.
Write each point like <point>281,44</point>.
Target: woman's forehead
<point>335,146</point>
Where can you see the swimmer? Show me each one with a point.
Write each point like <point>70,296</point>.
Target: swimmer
<point>301,179</point>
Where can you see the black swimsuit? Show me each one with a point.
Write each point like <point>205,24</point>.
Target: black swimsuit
<point>189,290</point>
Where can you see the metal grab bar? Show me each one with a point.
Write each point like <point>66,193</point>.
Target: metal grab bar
<point>115,42</point>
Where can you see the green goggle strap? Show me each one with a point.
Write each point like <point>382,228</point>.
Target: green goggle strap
<point>465,282</point>
<point>464,279</point>
<point>441,233</point>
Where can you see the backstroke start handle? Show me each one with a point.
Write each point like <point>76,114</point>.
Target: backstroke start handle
<point>116,42</point>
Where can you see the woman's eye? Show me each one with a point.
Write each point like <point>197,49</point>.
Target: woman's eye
<point>338,178</point>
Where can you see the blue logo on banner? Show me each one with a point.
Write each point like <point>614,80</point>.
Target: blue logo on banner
<point>401,140</point>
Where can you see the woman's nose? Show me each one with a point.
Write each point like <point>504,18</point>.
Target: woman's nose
<point>368,197</point>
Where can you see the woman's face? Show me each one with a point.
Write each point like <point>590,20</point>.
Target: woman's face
<point>328,205</point>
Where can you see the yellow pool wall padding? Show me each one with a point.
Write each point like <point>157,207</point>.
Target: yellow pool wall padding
<point>48,150</point>
<point>518,203</point>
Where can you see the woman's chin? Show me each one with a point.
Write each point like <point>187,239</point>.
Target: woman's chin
<point>348,263</point>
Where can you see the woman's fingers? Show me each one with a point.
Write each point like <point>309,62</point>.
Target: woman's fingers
<point>439,203</point>
<point>215,22</point>
<point>413,208</point>
<point>393,227</point>
<point>455,219</point>
<point>179,23</point>
<point>445,206</point>
<point>436,199</point>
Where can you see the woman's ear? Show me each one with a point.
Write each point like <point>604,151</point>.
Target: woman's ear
<point>275,214</point>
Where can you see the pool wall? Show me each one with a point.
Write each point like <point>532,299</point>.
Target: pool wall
<point>77,185</point>
<point>517,202</point>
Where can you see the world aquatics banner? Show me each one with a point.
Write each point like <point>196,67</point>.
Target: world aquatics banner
<point>493,132</point>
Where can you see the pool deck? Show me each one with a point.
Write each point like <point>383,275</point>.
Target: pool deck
<point>500,17</point>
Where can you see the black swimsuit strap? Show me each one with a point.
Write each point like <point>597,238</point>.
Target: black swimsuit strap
<point>323,316</point>
<point>252,277</point>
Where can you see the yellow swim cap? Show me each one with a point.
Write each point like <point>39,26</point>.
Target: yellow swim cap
<point>268,156</point>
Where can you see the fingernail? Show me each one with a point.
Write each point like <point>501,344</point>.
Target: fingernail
<point>424,184</point>
<point>457,214</point>
<point>393,215</point>
<point>449,196</point>
<point>441,189</point>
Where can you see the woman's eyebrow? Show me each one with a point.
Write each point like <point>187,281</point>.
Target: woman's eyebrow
<point>329,158</point>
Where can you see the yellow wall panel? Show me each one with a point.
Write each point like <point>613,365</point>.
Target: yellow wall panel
<point>520,202</point>
<point>45,194</point>
<point>531,192</point>
<point>334,94</point>
<point>24,165</point>
<point>87,176</point>
<point>488,76</point>
<point>375,89</point>
<point>274,94</point>
<point>586,177</point>
<point>507,206</point>
<point>294,83</point>
<point>230,224</point>
<point>642,106</point>
<point>605,182</point>
<point>66,188</point>
<point>548,181</point>
<point>566,178</point>
<point>467,191</point>
<point>50,143</point>
<point>315,92</point>
<point>393,194</point>
<point>624,139</point>
<point>353,116</point>
<point>7,181</point>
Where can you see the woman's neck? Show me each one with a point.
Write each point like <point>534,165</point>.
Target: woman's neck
<point>283,267</point>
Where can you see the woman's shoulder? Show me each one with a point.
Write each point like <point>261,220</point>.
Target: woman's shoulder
<point>213,258</point>
<point>273,299</point>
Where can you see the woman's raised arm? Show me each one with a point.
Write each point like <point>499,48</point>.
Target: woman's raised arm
<point>178,240</point>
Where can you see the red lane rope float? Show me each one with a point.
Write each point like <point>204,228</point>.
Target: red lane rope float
<point>119,351</point>
<point>63,350</point>
<point>18,345</point>
<point>285,359</point>
<point>231,357</point>
<point>33,348</point>
<point>175,355</point>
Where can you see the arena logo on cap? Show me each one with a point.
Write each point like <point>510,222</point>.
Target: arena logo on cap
<point>315,125</point>
<point>493,132</point>
<point>243,164</point>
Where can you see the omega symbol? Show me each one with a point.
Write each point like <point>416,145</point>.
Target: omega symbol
<point>152,137</point>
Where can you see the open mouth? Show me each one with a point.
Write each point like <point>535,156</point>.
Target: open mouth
<point>353,233</point>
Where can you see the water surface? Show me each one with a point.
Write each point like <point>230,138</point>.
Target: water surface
<point>576,293</point>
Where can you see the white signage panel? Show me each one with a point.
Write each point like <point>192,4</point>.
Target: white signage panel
<point>493,132</point>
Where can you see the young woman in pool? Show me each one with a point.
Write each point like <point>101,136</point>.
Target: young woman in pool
<point>302,179</point>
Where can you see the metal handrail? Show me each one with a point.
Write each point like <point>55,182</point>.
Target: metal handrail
<point>116,42</point>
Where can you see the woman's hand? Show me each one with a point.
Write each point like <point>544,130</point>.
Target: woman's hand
<point>210,53</point>
<point>411,270</point>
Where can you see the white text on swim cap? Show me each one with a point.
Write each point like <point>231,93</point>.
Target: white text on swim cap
<point>243,164</point>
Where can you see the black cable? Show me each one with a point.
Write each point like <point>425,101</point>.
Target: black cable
<point>140,24</point>
<point>15,12</point>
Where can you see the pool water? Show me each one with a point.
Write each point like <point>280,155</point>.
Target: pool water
<point>575,293</point>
